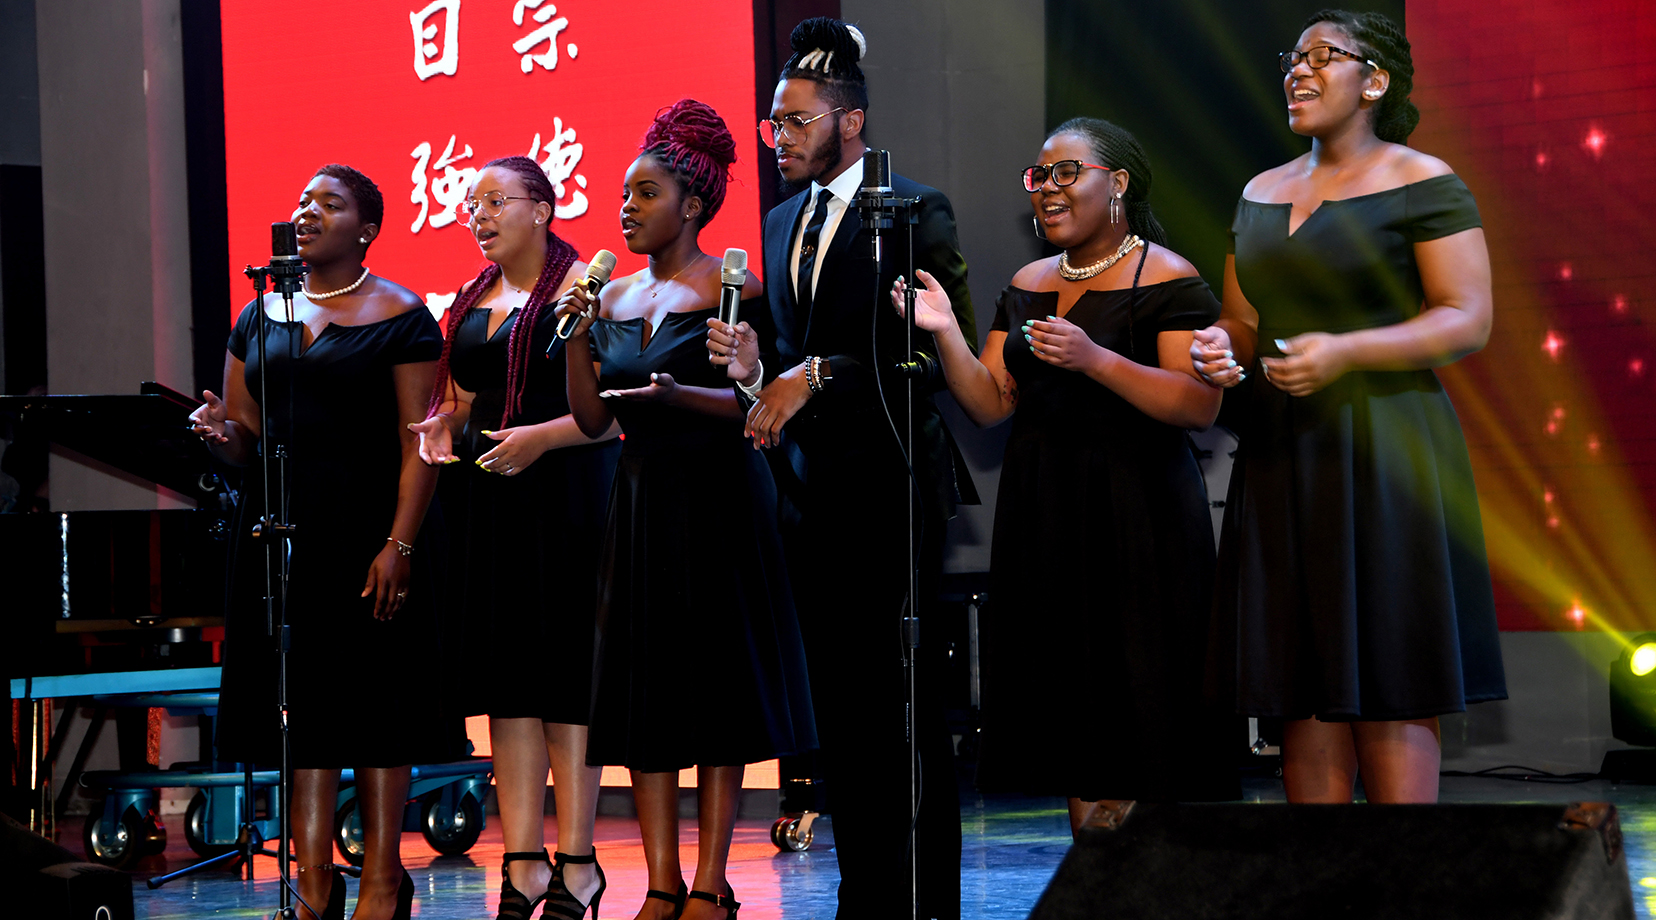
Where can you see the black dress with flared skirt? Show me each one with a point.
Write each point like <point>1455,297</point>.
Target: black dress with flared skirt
<point>699,659</point>
<point>1094,638</point>
<point>360,690</point>
<point>1354,584</point>
<point>524,554</point>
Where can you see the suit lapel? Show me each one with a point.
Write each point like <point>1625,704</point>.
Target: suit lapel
<point>783,300</point>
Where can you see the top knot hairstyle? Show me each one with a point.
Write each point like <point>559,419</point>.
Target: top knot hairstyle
<point>826,52</point>
<point>1117,148</point>
<point>560,255</point>
<point>370,203</point>
<point>692,141</point>
<point>1383,42</point>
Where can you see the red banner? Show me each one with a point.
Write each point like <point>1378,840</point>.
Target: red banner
<point>419,94</point>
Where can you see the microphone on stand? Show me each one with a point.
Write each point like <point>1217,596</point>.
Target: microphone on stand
<point>287,270</point>
<point>597,275</point>
<point>873,200</point>
<point>731,279</point>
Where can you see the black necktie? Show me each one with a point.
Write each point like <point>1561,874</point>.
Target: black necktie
<point>808,251</point>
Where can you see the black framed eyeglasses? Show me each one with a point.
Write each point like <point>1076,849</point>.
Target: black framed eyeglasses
<point>771,130</point>
<point>1063,172</point>
<point>491,205</point>
<point>1318,58</point>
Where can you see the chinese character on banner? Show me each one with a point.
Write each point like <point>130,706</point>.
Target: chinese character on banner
<point>562,155</point>
<point>433,57</point>
<point>546,33</point>
<point>448,189</point>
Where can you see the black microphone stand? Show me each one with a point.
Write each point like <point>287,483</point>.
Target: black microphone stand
<point>275,531</point>
<point>882,210</point>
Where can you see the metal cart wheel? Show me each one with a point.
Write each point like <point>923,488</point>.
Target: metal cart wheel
<point>121,843</point>
<point>195,829</point>
<point>451,830</point>
<point>348,833</point>
<point>792,833</point>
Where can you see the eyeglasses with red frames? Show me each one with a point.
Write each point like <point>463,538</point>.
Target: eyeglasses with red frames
<point>1063,172</point>
<point>1317,57</point>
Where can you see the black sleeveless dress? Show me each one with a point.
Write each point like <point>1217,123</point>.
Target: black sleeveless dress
<point>357,694</point>
<point>525,547</point>
<point>1354,584</point>
<point>1094,638</point>
<point>699,659</point>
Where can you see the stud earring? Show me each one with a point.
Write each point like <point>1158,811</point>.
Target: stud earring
<point>1372,94</point>
<point>363,240</point>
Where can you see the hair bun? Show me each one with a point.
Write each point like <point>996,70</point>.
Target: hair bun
<point>689,125</point>
<point>840,41</point>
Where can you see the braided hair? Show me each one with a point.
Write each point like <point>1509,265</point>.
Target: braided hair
<point>1382,41</point>
<point>693,142</point>
<point>560,255</point>
<point>1116,148</point>
<point>826,52</point>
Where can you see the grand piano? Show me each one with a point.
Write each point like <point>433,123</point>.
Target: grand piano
<point>110,602</point>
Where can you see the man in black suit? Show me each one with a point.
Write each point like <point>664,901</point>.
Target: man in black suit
<point>827,345</point>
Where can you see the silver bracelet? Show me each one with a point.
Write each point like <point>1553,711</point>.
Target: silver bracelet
<point>403,549</point>
<point>753,391</point>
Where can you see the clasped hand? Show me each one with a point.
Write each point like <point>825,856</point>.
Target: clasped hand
<point>1313,361</point>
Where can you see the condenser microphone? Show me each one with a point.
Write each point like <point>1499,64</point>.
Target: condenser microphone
<point>597,275</point>
<point>287,270</point>
<point>731,279</point>
<point>873,199</point>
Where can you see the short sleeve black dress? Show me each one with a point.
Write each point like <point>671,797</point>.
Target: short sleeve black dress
<point>525,553</point>
<point>699,659</point>
<point>1354,584</point>
<point>356,691</point>
<point>1094,637</point>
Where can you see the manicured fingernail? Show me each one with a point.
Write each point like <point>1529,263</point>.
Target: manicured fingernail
<point>1228,353</point>
<point>1051,318</point>
<point>1241,376</point>
<point>1282,344</point>
<point>1029,338</point>
<point>1230,363</point>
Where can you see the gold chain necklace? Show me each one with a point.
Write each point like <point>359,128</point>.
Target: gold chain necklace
<point>661,284</point>
<point>1070,273</point>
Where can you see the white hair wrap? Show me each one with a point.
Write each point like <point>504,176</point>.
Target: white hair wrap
<point>810,61</point>
<point>857,36</point>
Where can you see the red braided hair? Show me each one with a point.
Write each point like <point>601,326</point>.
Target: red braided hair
<point>560,255</point>
<point>692,141</point>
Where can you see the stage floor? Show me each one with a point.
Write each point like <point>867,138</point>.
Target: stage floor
<point>1011,847</point>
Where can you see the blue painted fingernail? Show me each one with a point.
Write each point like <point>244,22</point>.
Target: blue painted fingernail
<point>1282,344</point>
<point>1228,353</point>
<point>1230,363</point>
<point>1051,318</point>
<point>1029,338</point>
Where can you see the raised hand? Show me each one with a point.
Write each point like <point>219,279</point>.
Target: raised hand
<point>208,419</point>
<point>1210,352</point>
<point>932,310</point>
<point>660,389</point>
<point>1061,343</point>
<point>734,347</point>
<point>579,300</point>
<point>436,441</point>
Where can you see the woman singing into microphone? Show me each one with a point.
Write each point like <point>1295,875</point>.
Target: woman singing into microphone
<point>528,511</point>
<point>355,365</point>
<point>699,661</point>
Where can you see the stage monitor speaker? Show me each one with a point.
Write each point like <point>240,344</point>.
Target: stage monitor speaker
<point>1286,862</point>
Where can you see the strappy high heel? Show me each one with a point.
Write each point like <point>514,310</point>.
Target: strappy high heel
<point>405,898</point>
<point>724,901</point>
<point>335,909</point>
<point>560,903</point>
<point>677,900</point>
<point>514,904</point>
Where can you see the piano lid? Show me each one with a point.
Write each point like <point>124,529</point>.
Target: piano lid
<point>147,435</point>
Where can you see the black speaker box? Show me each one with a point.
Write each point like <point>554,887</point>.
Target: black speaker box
<point>44,882</point>
<point>1285,862</point>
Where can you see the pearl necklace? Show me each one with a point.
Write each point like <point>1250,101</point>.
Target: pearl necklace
<point>344,290</point>
<point>1070,273</point>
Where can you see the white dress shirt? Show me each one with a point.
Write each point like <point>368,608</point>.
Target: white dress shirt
<point>842,188</point>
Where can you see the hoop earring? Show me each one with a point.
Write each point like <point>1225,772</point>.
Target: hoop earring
<point>1040,231</point>
<point>1115,209</point>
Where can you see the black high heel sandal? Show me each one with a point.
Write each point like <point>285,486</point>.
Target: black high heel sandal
<point>514,904</point>
<point>725,901</point>
<point>560,904</point>
<point>677,900</point>
<point>405,898</point>
<point>335,910</point>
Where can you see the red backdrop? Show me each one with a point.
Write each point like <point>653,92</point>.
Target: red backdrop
<point>1548,109</point>
<point>574,82</point>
